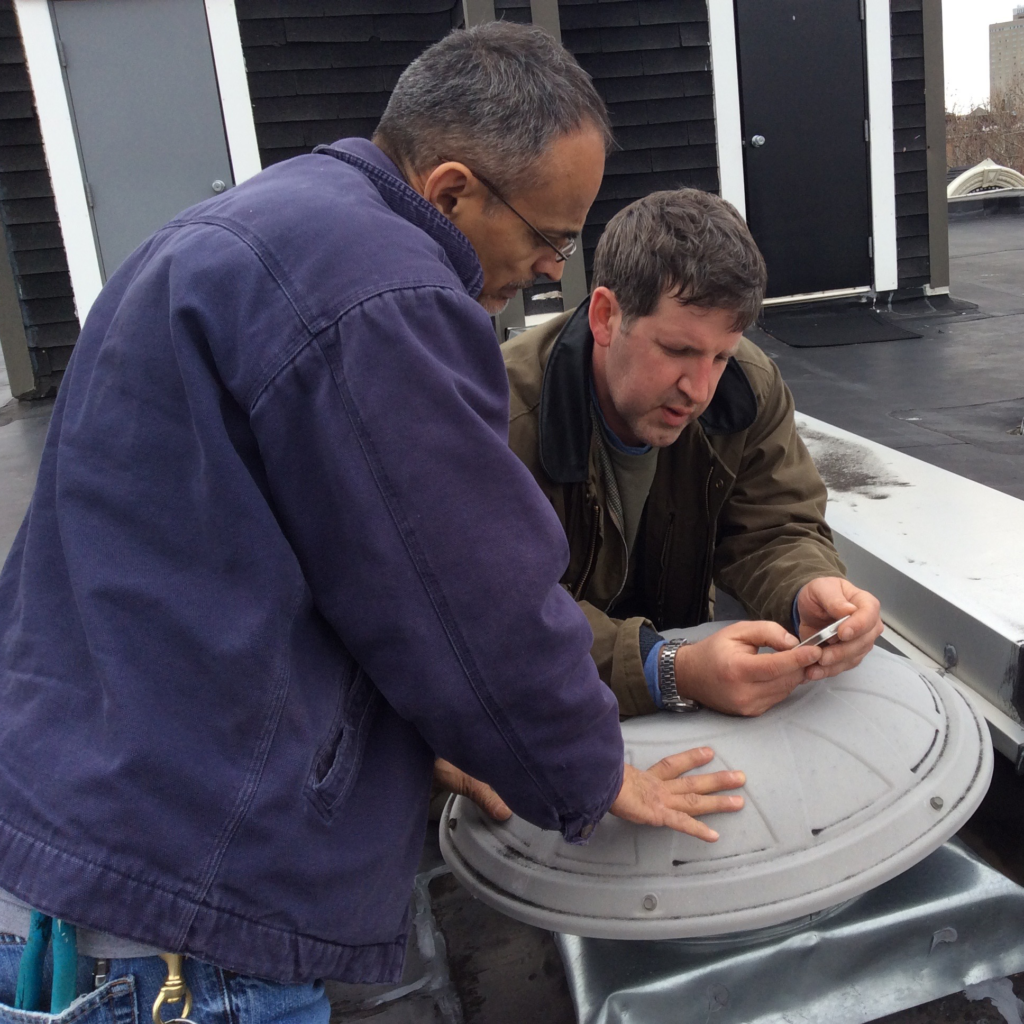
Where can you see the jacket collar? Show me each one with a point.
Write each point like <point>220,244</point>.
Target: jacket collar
<point>564,426</point>
<point>408,203</point>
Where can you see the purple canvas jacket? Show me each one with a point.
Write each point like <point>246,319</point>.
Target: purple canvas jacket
<point>278,556</point>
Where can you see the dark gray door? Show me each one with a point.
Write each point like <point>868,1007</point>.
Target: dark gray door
<point>805,156</point>
<point>147,113</point>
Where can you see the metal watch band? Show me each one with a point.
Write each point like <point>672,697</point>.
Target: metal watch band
<point>670,698</point>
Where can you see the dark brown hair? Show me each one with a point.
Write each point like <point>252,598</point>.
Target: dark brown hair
<point>685,243</point>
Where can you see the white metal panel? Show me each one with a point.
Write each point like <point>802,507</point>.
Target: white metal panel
<point>728,124</point>
<point>883,171</point>
<point>1007,735</point>
<point>945,555</point>
<point>61,151</point>
<point>235,102</point>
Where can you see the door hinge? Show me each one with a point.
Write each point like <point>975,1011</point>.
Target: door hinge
<point>871,247</point>
<point>61,54</point>
<point>867,130</point>
<point>862,11</point>
<point>88,195</point>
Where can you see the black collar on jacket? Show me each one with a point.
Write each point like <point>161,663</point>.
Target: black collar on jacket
<point>564,426</point>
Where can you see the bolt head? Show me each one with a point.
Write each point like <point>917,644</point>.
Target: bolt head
<point>936,802</point>
<point>650,901</point>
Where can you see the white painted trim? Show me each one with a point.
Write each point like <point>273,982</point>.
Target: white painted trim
<point>61,150</point>
<point>834,293</point>
<point>726,85</point>
<point>235,103</point>
<point>534,319</point>
<point>883,171</point>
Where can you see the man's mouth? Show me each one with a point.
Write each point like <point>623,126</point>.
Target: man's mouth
<point>511,290</point>
<point>676,417</point>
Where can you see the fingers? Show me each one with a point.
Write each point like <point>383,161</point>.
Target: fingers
<point>865,617</point>
<point>684,823</point>
<point>759,634</point>
<point>711,782</point>
<point>647,798</point>
<point>673,766</point>
<point>828,598</point>
<point>783,666</point>
<point>840,657</point>
<point>456,780</point>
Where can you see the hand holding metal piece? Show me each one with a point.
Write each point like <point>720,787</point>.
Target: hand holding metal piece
<point>823,636</point>
<point>731,672</point>
<point>833,601</point>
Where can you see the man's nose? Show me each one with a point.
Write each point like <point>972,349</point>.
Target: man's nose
<point>548,265</point>
<point>698,384</point>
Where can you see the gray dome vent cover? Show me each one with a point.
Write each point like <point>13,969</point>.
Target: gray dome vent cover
<point>850,781</point>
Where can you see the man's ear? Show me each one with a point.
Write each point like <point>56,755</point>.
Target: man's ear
<point>605,315</point>
<point>450,184</point>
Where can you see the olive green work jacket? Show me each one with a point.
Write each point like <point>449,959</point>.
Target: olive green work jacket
<point>736,501</point>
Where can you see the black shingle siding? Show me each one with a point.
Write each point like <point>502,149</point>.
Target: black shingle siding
<point>316,74</point>
<point>29,218</point>
<point>910,145</point>
<point>650,61</point>
<point>513,10</point>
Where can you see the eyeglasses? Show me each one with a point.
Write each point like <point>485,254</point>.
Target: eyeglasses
<point>562,253</point>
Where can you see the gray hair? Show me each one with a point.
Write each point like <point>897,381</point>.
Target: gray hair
<point>494,97</point>
<point>689,244</point>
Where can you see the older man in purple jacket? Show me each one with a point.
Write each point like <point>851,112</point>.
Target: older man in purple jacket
<point>279,558</point>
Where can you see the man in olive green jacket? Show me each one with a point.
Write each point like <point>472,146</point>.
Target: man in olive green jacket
<point>666,443</point>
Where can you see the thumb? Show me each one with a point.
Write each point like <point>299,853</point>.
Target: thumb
<point>765,634</point>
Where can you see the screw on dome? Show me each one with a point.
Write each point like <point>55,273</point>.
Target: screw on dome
<point>936,802</point>
<point>650,901</point>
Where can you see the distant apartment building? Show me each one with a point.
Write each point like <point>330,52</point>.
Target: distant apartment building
<point>1006,58</point>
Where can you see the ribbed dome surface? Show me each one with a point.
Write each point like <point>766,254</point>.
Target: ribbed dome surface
<point>849,782</point>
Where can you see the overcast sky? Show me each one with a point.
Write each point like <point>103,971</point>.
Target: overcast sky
<point>965,34</point>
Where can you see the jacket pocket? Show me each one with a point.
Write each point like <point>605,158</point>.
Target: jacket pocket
<point>339,759</point>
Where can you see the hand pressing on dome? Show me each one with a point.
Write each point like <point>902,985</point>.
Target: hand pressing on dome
<point>664,795</point>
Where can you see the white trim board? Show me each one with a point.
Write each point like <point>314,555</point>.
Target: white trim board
<point>726,86</point>
<point>880,147</point>
<point>235,103</point>
<point>728,128</point>
<point>61,150</point>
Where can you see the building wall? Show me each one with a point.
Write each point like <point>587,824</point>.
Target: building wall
<point>910,144</point>
<point>29,218</point>
<point>319,71</point>
<point>651,62</point>
<point>1006,58</point>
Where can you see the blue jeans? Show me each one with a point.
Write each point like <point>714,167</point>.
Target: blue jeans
<point>218,996</point>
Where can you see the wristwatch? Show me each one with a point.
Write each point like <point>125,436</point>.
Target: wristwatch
<point>670,698</point>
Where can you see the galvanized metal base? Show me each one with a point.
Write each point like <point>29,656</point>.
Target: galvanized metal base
<point>949,921</point>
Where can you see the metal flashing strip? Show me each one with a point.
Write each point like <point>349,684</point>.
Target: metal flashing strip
<point>944,555</point>
<point>947,922</point>
<point>992,193</point>
<point>1007,735</point>
<point>835,293</point>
